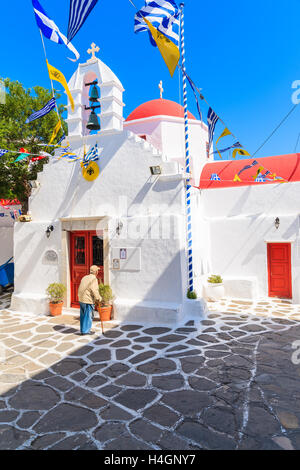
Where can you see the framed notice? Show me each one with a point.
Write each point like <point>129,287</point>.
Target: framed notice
<point>123,253</point>
<point>116,263</point>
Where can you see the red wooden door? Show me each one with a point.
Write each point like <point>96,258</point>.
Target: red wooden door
<point>279,270</point>
<point>86,250</point>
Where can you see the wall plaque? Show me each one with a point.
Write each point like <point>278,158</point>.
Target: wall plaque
<point>116,263</point>
<point>51,257</point>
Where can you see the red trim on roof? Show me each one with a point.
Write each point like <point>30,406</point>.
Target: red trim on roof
<point>285,166</point>
<point>10,202</point>
<point>158,107</point>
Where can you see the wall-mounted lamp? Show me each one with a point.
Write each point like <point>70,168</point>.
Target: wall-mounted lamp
<point>50,229</point>
<point>155,170</point>
<point>277,223</point>
<point>119,227</point>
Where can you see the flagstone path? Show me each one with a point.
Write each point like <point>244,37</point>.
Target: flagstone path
<point>227,382</point>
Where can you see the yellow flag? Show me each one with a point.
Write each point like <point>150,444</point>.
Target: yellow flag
<point>224,134</point>
<point>167,48</point>
<point>55,132</point>
<point>92,172</point>
<point>237,179</point>
<point>59,77</point>
<point>242,152</point>
<point>259,171</point>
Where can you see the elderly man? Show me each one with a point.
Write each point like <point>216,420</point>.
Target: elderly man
<point>88,296</point>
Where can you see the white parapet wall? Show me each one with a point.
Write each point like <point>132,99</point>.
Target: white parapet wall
<point>241,288</point>
<point>6,244</point>
<point>159,313</point>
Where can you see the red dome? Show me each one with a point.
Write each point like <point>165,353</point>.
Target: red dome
<point>284,166</point>
<point>158,107</point>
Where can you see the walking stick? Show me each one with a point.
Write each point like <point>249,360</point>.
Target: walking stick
<point>102,326</point>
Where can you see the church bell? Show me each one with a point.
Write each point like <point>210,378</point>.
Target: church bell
<point>93,123</point>
<point>94,96</point>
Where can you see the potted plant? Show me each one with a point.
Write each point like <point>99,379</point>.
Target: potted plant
<point>56,292</point>
<point>215,288</point>
<point>105,307</point>
<point>192,295</point>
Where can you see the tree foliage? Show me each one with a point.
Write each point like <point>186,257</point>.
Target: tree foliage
<point>20,103</point>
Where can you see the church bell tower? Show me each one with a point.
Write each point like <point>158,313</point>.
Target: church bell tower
<point>98,98</point>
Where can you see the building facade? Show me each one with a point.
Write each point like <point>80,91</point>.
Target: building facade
<point>252,226</point>
<point>130,223</point>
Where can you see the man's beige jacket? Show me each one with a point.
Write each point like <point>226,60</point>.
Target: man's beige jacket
<point>88,292</point>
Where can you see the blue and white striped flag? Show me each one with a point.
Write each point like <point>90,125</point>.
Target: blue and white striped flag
<point>3,152</point>
<point>212,119</point>
<point>260,179</point>
<point>50,30</point>
<point>215,177</point>
<point>163,15</point>
<point>42,112</point>
<point>91,156</point>
<point>79,11</point>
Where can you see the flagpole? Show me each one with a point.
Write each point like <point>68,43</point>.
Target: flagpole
<point>53,94</point>
<point>187,157</point>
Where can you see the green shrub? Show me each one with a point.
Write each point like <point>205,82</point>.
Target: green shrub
<point>106,294</point>
<point>191,295</point>
<point>56,292</point>
<point>214,279</point>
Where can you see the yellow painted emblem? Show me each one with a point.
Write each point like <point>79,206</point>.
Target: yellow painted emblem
<point>91,173</point>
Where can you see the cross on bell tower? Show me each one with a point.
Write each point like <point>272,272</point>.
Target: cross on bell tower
<point>92,51</point>
<point>160,86</point>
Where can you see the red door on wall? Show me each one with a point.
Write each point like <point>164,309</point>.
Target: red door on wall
<point>279,270</point>
<point>86,250</point>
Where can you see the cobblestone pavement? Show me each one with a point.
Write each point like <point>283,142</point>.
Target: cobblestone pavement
<point>227,382</point>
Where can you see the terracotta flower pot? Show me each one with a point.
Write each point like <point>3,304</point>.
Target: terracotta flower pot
<point>104,312</point>
<point>55,309</point>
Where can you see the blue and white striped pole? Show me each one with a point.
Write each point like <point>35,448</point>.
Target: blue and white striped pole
<point>187,158</point>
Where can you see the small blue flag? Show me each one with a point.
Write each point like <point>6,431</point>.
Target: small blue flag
<point>79,11</point>
<point>163,15</point>
<point>212,119</point>
<point>50,30</point>
<point>91,156</point>
<point>42,112</point>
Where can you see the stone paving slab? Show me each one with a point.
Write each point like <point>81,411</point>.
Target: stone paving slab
<point>226,382</point>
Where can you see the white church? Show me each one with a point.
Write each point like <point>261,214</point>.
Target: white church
<point>130,220</point>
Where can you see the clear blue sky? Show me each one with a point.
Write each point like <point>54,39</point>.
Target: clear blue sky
<point>244,55</point>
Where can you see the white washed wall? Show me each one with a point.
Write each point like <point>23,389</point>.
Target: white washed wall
<point>241,223</point>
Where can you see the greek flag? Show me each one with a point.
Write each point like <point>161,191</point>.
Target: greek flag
<point>50,30</point>
<point>42,112</point>
<point>215,177</point>
<point>79,11</point>
<point>3,152</point>
<point>91,156</point>
<point>212,119</point>
<point>163,15</point>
